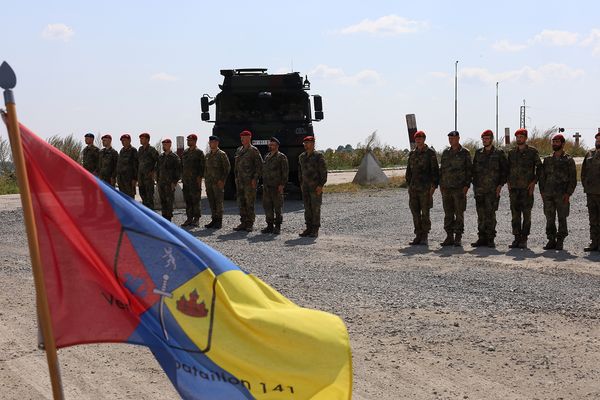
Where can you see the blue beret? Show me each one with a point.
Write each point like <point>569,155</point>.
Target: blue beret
<point>453,133</point>
<point>213,137</point>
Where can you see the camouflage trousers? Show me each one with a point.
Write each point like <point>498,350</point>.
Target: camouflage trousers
<point>106,179</point>
<point>167,198</point>
<point>272,202</point>
<point>486,205</point>
<point>191,195</point>
<point>554,207</point>
<point>312,206</point>
<point>246,197</point>
<point>126,185</point>
<point>420,202</point>
<point>146,187</point>
<point>521,203</point>
<point>455,204</point>
<point>215,196</point>
<point>593,206</point>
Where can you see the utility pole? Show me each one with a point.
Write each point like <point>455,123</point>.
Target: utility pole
<point>522,119</point>
<point>456,95</point>
<point>497,133</point>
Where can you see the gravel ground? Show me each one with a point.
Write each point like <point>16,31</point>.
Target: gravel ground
<point>424,322</point>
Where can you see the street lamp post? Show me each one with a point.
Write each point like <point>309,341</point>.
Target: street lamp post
<point>497,134</point>
<point>455,95</point>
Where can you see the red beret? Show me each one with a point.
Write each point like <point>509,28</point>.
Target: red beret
<point>558,137</point>
<point>245,133</point>
<point>125,136</point>
<point>308,139</point>
<point>420,134</point>
<point>487,132</point>
<point>167,140</point>
<point>192,136</point>
<point>146,135</point>
<point>107,136</point>
<point>521,131</point>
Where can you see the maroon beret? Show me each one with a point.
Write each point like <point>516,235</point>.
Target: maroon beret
<point>167,140</point>
<point>146,135</point>
<point>308,139</point>
<point>192,136</point>
<point>521,131</point>
<point>245,133</point>
<point>558,137</point>
<point>420,134</point>
<point>107,136</point>
<point>487,132</point>
<point>125,136</point>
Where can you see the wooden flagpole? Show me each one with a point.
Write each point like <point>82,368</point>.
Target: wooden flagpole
<point>8,82</point>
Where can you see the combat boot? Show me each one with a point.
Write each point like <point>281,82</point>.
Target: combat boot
<point>240,227</point>
<point>218,223</point>
<point>551,245</point>
<point>491,244</point>
<point>449,241</point>
<point>515,243</point>
<point>559,243</point>
<point>268,229</point>
<point>480,242</point>
<point>457,240</point>
<point>195,222</point>
<point>277,229</point>
<point>249,227</point>
<point>424,240</point>
<point>523,242</point>
<point>187,222</point>
<point>593,246</point>
<point>210,224</point>
<point>416,240</point>
<point>305,232</point>
<point>314,232</point>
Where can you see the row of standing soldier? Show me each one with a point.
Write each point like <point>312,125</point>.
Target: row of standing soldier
<point>144,166</point>
<point>489,170</point>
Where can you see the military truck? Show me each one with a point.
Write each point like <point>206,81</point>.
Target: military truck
<point>267,105</point>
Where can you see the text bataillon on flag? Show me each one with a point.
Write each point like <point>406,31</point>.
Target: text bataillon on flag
<point>115,271</point>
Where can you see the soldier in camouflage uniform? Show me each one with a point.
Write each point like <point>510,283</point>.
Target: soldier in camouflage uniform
<point>490,170</point>
<point>422,178</point>
<point>524,169</point>
<point>275,176</point>
<point>248,168</point>
<point>127,167</point>
<point>168,173</point>
<point>557,183</point>
<point>91,155</point>
<point>192,161</point>
<point>455,179</point>
<point>107,164</point>
<point>312,174</point>
<point>590,179</point>
<point>147,159</point>
<point>216,171</point>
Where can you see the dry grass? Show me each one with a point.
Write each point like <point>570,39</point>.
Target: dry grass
<point>394,183</point>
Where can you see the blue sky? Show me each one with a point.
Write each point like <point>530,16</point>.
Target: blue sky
<point>133,66</point>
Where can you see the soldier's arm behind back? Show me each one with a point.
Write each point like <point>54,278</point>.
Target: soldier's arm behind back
<point>435,169</point>
<point>572,177</point>
<point>322,170</point>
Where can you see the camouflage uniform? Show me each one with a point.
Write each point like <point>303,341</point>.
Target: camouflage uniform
<point>127,170</point>
<point>91,158</point>
<point>590,179</point>
<point>490,170</point>
<point>312,172</point>
<point>455,175</point>
<point>248,167</point>
<point>147,159</point>
<point>558,177</point>
<point>168,173</point>
<point>275,174</point>
<point>217,168</point>
<point>524,167</point>
<point>422,173</point>
<point>192,161</point>
<point>107,165</point>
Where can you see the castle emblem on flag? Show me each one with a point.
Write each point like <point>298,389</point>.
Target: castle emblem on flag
<point>191,307</point>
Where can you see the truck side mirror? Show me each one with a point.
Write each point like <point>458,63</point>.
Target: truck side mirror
<point>318,101</point>
<point>204,107</point>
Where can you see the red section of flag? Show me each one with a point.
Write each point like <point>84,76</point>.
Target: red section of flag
<point>78,237</point>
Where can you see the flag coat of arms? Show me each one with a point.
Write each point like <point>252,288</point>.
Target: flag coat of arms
<point>117,272</point>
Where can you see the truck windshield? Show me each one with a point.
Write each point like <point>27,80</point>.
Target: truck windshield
<point>261,108</point>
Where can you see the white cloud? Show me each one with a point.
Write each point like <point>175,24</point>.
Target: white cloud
<point>58,32</point>
<point>527,74</point>
<point>439,75</point>
<point>593,41</point>
<point>505,45</point>
<point>364,77</point>
<point>388,25</point>
<point>163,76</point>
<point>556,38</point>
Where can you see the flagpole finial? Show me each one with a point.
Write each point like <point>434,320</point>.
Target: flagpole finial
<point>8,79</point>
